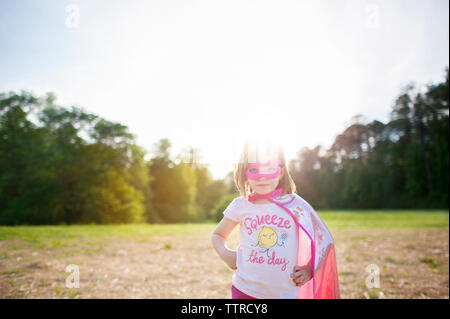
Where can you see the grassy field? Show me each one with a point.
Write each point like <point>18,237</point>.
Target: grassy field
<point>177,261</point>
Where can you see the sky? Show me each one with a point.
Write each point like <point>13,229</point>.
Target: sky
<point>211,74</point>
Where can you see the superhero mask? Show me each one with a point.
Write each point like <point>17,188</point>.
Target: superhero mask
<point>269,170</point>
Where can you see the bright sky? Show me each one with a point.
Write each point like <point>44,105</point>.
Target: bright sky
<point>210,74</point>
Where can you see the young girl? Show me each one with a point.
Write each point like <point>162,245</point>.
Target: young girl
<point>285,250</point>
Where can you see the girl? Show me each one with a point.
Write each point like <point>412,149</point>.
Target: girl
<point>285,250</point>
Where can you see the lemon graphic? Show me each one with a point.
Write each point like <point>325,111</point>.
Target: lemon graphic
<point>267,237</point>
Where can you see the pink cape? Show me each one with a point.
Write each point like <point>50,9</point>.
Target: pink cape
<point>315,245</point>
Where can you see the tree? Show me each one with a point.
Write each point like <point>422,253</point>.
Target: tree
<point>400,164</point>
<point>50,174</point>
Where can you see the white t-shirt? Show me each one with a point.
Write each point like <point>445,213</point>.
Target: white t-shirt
<point>267,251</point>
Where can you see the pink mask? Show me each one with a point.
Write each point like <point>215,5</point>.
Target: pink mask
<point>269,170</point>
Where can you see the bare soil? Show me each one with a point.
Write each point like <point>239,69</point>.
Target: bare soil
<point>411,263</point>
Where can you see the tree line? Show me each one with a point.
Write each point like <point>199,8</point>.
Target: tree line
<point>403,163</point>
<point>62,165</point>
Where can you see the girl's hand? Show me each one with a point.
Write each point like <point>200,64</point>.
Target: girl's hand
<point>302,274</point>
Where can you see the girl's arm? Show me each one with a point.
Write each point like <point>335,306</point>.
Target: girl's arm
<point>219,237</point>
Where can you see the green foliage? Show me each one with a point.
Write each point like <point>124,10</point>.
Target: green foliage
<point>183,191</point>
<point>173,186</point>
<point>118,201</point>
<point>50,174</point>
<point>64,166</point>
<point>209,192</point>
<point>401,164</point>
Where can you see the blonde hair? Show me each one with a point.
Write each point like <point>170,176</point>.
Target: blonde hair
<point>240,178</point>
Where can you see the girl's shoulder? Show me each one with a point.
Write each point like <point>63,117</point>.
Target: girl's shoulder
<point>291,200</point>
<point>295,200</point>
<point>238,201</point>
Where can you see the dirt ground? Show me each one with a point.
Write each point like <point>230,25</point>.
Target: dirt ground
<point>412,264</point>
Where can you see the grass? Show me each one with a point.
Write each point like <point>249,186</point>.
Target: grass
<point>33,233</point>
<point>42,237</point>
<point>379,219</point>
<point>66,235</point>
<point>143,260</point>
<point>14,271</point>
<point>430,261</point>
